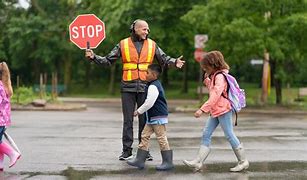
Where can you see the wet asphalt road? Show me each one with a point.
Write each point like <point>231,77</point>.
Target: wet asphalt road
<point>86,145</point>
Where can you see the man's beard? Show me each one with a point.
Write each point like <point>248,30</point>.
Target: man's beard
<point>137,37</point>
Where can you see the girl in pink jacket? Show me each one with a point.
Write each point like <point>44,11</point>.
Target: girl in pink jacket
<point>6,91</point>
<point>220,110</point>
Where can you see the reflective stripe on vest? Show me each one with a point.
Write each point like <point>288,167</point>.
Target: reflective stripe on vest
<point>134,64</point>
<point>149,54</point>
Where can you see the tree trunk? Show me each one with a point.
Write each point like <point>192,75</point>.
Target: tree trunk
<point>185,78</point>
<point>87,75</point>
<point>36,64</point>
<point>278,87</point>
<point>277,83</point>
<point>67,71</point>
<point>36,70</point>
<point>36,5</point>
<point>165,77</point>
<point>112,79</point>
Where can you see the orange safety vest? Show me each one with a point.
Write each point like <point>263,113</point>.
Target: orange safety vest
<point>135,65</point>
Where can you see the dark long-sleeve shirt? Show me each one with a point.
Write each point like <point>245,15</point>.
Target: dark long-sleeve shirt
<point>134,85</point>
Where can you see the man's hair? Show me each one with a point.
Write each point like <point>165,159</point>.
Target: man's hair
<point>132,26</point>
<point>155,68</point>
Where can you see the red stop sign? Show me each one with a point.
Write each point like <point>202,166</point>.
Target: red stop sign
<point>87,28</point>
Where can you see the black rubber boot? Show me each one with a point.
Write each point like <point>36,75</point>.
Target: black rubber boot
<point>167,161</point>
<point>139,160</point>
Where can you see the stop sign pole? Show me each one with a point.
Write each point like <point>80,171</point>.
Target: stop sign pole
<point>200,40</point>
<point>199,54</point>
<point>87,31</point>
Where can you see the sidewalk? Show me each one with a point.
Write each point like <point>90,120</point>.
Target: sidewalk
<point>175,105</point>
<point>187,105</point>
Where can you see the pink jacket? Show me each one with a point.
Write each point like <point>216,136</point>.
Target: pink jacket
<point>216,105</point>
<point>5,107</point>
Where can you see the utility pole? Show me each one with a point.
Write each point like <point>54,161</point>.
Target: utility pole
<point>266,67</point>
<point>265,76</point>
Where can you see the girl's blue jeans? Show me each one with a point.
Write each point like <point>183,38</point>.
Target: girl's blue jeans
<point>226,123</point>
<point>2,128</point>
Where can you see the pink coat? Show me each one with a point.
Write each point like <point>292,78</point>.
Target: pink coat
<point>216,105</point>
<point>5,107</point>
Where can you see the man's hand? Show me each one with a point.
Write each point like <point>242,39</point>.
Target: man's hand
<point>136,113</point>
<point>89,54</point>
<point>179,62</point>
<point>198,113</point>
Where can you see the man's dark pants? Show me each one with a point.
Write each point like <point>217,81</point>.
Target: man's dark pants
<point>129,100</point>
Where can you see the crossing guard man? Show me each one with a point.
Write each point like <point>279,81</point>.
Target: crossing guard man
<point>136,52</point>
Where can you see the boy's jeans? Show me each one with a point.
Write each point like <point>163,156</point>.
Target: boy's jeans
<point>226,123</point>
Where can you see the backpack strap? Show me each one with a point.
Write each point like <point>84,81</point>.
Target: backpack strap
<point>233,109</point>
<point>220,72</point>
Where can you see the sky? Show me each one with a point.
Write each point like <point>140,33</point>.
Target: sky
<point>24,3</point>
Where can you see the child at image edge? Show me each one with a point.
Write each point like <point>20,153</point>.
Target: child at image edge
<point>220,110</point>
<point>155,107</point>
<point>6,91</point>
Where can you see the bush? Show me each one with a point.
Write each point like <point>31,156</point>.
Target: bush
<point>23,95</point>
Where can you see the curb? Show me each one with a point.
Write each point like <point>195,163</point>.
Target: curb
<point>51,107</point>
<point>249,111</point>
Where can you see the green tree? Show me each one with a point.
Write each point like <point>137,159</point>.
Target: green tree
<point>7,9</point>
<point>238,28</point>
<point>38,40</point>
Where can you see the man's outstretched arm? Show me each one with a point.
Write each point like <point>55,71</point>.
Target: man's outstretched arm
<point>107,60</point>
<point>165,60</point>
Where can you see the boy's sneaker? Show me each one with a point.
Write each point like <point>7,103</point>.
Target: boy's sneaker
<point>125,155</point>
<point>149,157</point>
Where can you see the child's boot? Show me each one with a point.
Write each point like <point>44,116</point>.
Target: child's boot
<point>242,161</point>
<point>139,160</point>
<point>1,161</point>
<point>197,163</point>
<point>167,161</point>
<point>10,152</point>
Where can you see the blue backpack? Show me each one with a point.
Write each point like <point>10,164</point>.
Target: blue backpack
<point>236,95</point>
